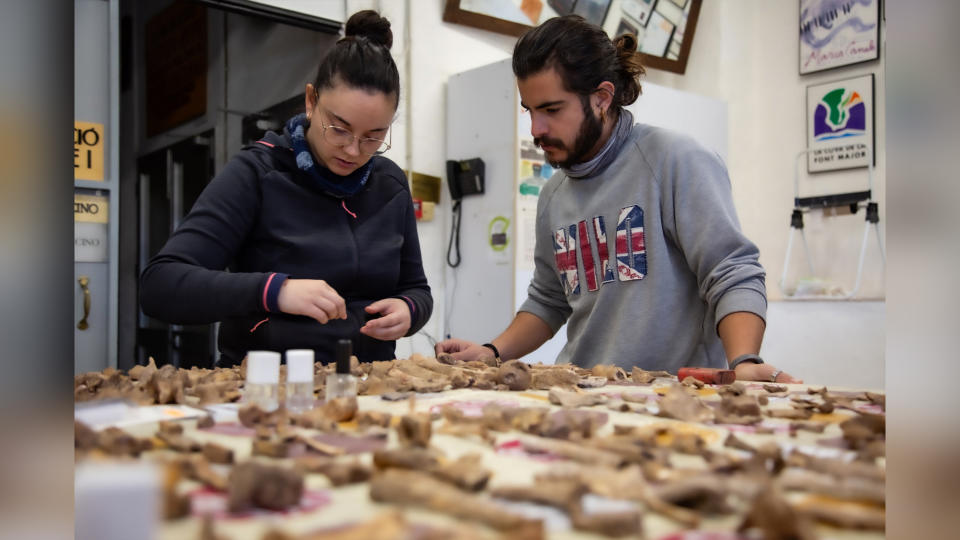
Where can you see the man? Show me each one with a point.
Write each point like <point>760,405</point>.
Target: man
<point>677,283</point>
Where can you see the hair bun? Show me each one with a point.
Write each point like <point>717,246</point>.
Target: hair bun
<point>626,43</point>
<point>371,25</point>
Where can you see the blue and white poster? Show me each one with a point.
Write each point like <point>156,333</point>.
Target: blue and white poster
<point>840,124</point>
<point>836,33</point>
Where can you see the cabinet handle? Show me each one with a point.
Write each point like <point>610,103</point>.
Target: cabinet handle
<point>84,284</point>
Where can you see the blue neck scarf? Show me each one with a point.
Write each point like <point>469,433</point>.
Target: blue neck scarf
<point>334,184</point>
<point>608,153</point>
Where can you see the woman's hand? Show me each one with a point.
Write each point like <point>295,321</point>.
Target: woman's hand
<point>313,298</point>
<point>393,322</point>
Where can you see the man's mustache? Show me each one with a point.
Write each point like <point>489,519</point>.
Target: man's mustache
<point>540,141</point>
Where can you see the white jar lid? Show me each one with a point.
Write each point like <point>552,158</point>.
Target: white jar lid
<point>263,367</point>
<point>300,365</point>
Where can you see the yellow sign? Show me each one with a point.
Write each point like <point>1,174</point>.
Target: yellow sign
<point>90,208</point>
<point>87,151</point>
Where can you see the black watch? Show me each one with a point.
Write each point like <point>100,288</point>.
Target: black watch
<point>752,358</point>
<point>492,347</point>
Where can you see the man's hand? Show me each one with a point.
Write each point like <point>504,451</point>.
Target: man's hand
<point>394,322</point>
<point>748,371</point>
<point>313,298</point>
<point>463,350</point>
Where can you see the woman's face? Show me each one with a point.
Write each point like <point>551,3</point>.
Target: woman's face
<point>362,113</point>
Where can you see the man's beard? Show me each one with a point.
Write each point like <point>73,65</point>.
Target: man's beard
<point>589,133</point>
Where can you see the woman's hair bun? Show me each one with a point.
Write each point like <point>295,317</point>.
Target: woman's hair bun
<point>371,25</point>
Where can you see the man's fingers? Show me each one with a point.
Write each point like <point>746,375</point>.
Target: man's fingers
<point>787,378</point>
<point>445,346</point>
<point>448,346</point>
<point>460,356</point>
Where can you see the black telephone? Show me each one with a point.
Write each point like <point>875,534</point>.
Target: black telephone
<point>465,177</point>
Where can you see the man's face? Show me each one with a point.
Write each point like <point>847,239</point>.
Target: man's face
<point>563,125</point>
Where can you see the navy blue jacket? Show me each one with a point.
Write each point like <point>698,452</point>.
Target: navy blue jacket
<point>265,220</point>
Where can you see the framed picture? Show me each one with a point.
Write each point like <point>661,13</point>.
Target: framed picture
<point>840,120</point>
<point>638,10</point>
<point>514,18</point>
<point>835,34</point>
<point>658,35</point>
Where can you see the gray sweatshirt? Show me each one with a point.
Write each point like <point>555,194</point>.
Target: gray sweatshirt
<point>644,258</point>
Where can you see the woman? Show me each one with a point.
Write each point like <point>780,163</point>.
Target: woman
<point>317,229</point>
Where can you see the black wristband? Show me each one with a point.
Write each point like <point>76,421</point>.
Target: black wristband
<point>752,358</point>
<point>493,348</point>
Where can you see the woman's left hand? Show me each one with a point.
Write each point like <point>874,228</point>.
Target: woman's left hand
<point>393,323</point>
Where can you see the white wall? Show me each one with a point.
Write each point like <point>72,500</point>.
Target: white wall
<point>828,343</point>
<point>744,53</point>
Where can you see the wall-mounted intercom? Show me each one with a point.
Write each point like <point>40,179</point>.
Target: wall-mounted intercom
<point>465,177</point>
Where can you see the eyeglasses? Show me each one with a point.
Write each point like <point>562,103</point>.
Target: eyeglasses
<point>339,136</point>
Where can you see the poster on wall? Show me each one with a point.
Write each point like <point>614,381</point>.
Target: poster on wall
<point>638,10</point>
<point>840,118</point>
<point>835,33</point>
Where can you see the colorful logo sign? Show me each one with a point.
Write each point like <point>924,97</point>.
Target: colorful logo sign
<point>840,113</point>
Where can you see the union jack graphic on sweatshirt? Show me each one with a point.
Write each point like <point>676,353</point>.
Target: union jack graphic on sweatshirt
<point>631,255</point>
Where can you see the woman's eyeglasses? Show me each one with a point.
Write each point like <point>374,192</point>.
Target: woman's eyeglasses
<point>339,136</point>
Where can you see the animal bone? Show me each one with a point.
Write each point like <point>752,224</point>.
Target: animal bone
<point>199,469</point>
<point>414,458</point>
<point>217,454</point>
<point>849,487</point>
<point>775,518</point>
<point>703,492</point>
<point>742,409</point>
<point>419,489</point>
<point>515,375</point>
<point>562,494</point>
<point>790,414</point>
<point>414,430</point>
<point>561,397</point>
<point>466,472</point>
<point>340,473</point>
<point>179,443</point>
<point>572,451</point>
<point>848,516</point>
<point>571,424</point>
<point>682,406</point>
<point>254,484</point>
<point>608,372</point>
<point>547,378</point>
<point>608,523</point>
